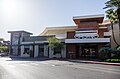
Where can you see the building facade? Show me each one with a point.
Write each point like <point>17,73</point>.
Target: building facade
<point>24,45</point>
<point>88,38</point>
<point>89,34</point>
<point>83,40</point>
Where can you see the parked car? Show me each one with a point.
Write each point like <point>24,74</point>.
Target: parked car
<point>3,54</point>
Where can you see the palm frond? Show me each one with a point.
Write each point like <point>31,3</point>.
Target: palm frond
<point>112,15</point>
<point>112,4</point>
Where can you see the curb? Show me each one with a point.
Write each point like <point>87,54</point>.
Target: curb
<point>105,63</point>
<point>94,62</point>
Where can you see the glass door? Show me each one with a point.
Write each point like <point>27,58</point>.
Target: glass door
<point>41,51</point>
<point>89,51</point>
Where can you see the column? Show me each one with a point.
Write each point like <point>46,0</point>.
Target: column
<point>36,51</point>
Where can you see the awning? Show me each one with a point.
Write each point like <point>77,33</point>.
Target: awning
<point>96,40</point>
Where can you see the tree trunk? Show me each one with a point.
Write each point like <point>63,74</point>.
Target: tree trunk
<point>113,34</point>
<point>118,13</point>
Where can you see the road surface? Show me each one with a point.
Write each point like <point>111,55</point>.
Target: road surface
<point>55,69</point>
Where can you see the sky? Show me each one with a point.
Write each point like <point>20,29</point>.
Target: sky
<point>35,15</point>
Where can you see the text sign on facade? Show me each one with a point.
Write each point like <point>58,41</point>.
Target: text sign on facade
<point>80,35</point>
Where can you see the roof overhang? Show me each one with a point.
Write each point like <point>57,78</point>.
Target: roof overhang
<point>81,41</point>
<point>99,18</point>
<point>57,30</point>
<point>19,32</point>
<point>35,42</point>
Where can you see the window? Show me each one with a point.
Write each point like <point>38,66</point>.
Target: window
<point>41,48</point>
<point>41,51</point>
<point>26,50</point>
<point>57,50</point>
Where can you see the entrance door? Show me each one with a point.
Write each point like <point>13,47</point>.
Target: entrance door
<point>89,51</point>
<point>32,52</point>
<point>77,51</point>
<point>41,51</point>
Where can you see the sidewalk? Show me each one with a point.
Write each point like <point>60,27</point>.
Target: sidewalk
<point>95,62</point>
<point>17,58</point>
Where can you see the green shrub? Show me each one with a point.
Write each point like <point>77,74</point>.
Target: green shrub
<point>105,52</point>
<point>3,48</point>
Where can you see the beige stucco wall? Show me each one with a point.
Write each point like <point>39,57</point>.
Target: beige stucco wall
<point>117,36</point>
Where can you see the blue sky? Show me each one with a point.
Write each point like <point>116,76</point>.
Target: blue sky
<point>35,15</point>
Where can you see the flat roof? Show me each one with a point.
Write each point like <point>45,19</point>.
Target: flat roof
<point>19,31</point>
<point>89,16</point>
<point>99,18</point>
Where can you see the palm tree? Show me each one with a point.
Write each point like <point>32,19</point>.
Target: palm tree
<point>115,6</point>
<point>113,13</point>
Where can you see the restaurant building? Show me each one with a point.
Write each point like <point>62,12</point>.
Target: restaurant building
<point>85,39</point>
<point>89,34</point>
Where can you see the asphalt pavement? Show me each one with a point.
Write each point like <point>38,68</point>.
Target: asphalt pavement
<point>55,69</point>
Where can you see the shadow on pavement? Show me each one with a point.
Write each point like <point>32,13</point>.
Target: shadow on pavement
<point>83,60</point>
<point>27,59</point>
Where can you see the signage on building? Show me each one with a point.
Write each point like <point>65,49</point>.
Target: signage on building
<point>86,35</point>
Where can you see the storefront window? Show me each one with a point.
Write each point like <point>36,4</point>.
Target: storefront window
<point>57,50</point>
<point>89,51</point>
<point>26,50</point>
<point>41,51</point>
